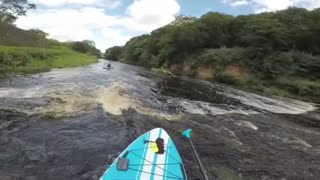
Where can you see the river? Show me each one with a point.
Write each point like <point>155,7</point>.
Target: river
<point>71,123</point>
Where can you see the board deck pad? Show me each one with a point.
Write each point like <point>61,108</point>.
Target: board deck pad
<point>144,163</point>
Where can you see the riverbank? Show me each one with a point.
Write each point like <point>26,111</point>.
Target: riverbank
<point>290,87</point>
<point>17,60</point>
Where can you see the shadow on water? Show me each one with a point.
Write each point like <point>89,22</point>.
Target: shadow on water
<point>70,124</point>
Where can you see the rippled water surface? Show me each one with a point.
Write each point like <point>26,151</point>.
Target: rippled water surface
<point>71,123</point>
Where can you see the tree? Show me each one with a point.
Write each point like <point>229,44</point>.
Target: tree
<point>297,21</point>
<point>216,25</point>
<point>11,9</point>
<point>113,53</point>
<point>264,32</point>
<point>86,46</point>
<point>80,47</point>
<point>134,48</point>
<point>39,33</point>
<point>314,36</point>
<point>89,43</point>
<point>260,43</point>
<point>181,39</point>
<point>180,20</point>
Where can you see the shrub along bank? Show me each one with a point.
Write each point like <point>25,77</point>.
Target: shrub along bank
<point>274,52</point>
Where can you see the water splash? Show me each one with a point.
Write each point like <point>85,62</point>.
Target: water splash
<point>35,91</point>
<point>81,89</point>
<point>285,106</point>
<point>114,99</point>
<point>247,124</point>
<point>292,140</point>
<point>66,103</point>
<point>204,108</point>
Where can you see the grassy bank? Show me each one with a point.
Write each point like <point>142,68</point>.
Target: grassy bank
<point>33,60</point>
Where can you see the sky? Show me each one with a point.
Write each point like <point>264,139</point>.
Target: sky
<point>114,22</point>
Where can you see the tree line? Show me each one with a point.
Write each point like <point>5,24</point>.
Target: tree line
<point>271,46</point>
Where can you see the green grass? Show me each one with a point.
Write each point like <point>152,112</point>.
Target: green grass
<point>72,59</point>
<point>32,60</point>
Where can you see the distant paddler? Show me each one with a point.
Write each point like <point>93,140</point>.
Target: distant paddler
<point>108,66</point>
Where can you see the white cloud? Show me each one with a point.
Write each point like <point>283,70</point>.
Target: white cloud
<point>97,3</point>
<point>67,33</point>
<point>75,18</point>
<point>92,22</point>
<point>71,24</point>
<point>146,15</point>
<point>273,5</point>
<point>309,4</point>
<point>112,37</point>
<point>236,3</point>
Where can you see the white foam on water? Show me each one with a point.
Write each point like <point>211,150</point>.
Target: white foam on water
<point>293,140</point>
<point>219,111</point>
<point>247,124</point>
<point>33,92</point>
<point>71,99</point>
<point>114,99</point>
<point>301,141</point>
<point>117,97</point>
<point>231,133</point>
<point>285,106</point>
<point>233,137</point>
<point>192,108</point>
<point>203,108</point>
<point>67,103</point>
<point>9,92</point>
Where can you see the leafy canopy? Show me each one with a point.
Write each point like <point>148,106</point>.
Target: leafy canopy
<point>11,9</point>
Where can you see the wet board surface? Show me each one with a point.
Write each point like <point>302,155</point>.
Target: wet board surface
<point>144,163</point>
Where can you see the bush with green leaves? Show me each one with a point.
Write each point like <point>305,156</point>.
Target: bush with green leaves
<point>268,46</point>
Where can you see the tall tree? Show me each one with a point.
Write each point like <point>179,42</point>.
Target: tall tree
<point>216,26</point>
<point>39,33</point>
<point>113,53</point>
<point>314,36</point>
<point>297,21</point>
<point>86,46</point>
<point>11,9</point>
<point>264,31</point>
<point>89,43</point>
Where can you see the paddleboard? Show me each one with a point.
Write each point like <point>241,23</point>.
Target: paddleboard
<point>152,156</point>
